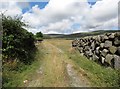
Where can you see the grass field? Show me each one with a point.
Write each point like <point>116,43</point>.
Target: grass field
<point>50,68</point>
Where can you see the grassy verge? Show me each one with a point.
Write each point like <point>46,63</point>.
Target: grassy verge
<point>15,78</point>
<point>98,75</point>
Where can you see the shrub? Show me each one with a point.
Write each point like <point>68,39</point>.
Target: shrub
<point>17,42</point>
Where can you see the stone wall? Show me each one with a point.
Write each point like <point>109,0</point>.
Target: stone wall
<point>104,49</point>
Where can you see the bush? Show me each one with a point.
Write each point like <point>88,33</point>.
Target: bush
<point>17,42</point>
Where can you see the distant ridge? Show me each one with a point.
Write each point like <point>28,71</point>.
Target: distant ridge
<point>78,35</point>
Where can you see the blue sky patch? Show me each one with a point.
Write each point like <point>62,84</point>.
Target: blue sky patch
<point>41,5</point>
<point>75,26</point>
<point>91,3</point>
<point>114,28</point>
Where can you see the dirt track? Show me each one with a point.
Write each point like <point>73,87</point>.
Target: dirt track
<point>57,70</point>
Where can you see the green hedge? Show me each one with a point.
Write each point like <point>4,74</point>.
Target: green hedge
<point>17,42</point>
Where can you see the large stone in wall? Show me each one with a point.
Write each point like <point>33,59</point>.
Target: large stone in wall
<point>94,37</point>
<point>112,49</point>
<point>93,45</point>
<point>90,53</point>
<point>85,44</point>
<point>117,34</point>
<point>104,52</point>
<point>117,41</point>
<point>101,45</point>
<point>74,43</point>
<point>97,50</point>
<point>81,44</point>
<point>89,44</point>
<point>109,58</point>
<point>108,34</point>
<point>107,44</point>
<point>105,37</point>
<point>91,40</point>
<point>84,40</point>
<point>80,49</point>
<point>97,43</point>
<point>102,60</point>
<point>98,38</point>
<point>95,57</point>
<point>86,48</point>
<point>118,51</point>
<point>102,38</point>
<point>86,54</point>
<point>112,36</point>
<point>117,61</point>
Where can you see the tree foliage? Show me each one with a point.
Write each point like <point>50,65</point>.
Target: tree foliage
<point>39,34</point>
<point>17,42</point>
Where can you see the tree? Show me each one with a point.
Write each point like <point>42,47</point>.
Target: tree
<point>39,35</point>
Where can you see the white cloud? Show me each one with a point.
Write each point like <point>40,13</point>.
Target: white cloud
<point>52,32</point>
<point>59,16</point>
<point>61,27</point>
<point>24,0</point>
<point>54,15</point>
<point>105,10</point>
<point>102,16</point>
<point>10,8</point>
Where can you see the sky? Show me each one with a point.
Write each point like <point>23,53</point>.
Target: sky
<point>64,16</point>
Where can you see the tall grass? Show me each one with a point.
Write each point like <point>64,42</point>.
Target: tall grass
<point>14,73</point>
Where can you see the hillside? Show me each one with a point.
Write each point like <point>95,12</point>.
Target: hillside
<point>78,35</point>
<point>53,35</point>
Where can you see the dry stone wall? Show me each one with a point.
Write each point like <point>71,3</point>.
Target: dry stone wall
<point>104,49</point>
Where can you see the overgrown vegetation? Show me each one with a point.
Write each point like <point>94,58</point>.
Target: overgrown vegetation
<point>18,43</point>
<point>15,78</point>
<point>18,48</point>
